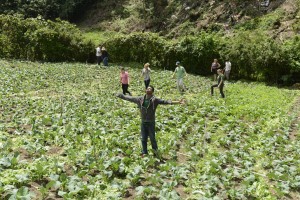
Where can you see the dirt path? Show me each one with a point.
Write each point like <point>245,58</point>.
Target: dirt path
<point>182,158</point>
<point>295,129</point>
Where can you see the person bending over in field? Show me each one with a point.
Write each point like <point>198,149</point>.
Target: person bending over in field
<point>220,83</point>
<point>147,105</point>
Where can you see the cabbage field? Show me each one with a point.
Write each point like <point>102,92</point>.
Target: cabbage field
<point>65,135</point>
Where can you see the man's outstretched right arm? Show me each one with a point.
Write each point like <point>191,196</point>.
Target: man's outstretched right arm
<point>128,98</point>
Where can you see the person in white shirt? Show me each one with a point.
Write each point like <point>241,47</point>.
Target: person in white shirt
<point>227,69</point>
<point>98,55</point>
<point>146,74</point>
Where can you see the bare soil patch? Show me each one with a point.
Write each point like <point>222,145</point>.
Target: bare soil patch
<point>180,190</point>
<point>24,155</point>
<point>55,150</point>
<point>294,129</point>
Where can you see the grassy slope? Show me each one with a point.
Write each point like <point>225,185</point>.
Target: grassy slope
<point>63,132</point>
<point>279,19</point>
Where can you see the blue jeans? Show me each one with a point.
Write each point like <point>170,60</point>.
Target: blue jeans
<point>105,61</point>
<point>148,130</point>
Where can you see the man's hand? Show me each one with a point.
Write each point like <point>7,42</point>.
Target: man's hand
<point>182,101</point>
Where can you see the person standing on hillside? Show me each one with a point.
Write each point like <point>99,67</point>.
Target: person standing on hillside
<point>220,83</point>
<point>227,69</point>
<point>147,105</point>
<point>104,56</point>
<point>214,67</point>
<point>98,54</point>
<point>180,73</point>
<point>124,80</point>
<point>146,74</point>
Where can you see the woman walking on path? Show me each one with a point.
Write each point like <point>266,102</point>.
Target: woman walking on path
<point>124,80</point>
<point>220,83</point>
<point>214,67</point>
<point>146,74</point>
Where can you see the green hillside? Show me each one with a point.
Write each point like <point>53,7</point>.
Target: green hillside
<point>64,134</point>
<point>261,40</point>
<point>171,18</point>
<point>176,18</point>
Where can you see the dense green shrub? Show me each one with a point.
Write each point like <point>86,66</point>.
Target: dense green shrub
<point>138,47</point>
<point>255,55</point>
<point>49,9</point>
<point>292,49</point>
<point>292,52</point>
<point>44,40</point>
<point>195,53</point>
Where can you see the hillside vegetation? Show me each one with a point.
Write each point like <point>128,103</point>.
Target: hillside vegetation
<point>177,18</point>
<point>262,42</point>
<point>64,134</point>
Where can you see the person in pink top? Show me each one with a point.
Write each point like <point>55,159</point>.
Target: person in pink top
<point>124,80</point>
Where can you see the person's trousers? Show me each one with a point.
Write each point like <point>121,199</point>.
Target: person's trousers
<point>99,60</point>
<point>221,89</point>
<point>227,73</point>
<point>147,83</point>
<point>105,61</point>
<point>125,89</point>
<point>148,130</point>
<point>180,85</point>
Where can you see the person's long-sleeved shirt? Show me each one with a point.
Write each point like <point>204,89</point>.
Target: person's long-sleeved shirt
<point>146,73</point>
<point>147,113</point>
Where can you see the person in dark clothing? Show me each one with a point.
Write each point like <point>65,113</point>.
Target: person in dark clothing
<point>104,56</point>
<point>220,83</point>
<point>214,67</point>
<point>147,105</point>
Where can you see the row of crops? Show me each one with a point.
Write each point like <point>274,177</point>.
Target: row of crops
<point>64,135</point>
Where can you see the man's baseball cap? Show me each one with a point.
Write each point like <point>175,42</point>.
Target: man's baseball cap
<point>177,63</point>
